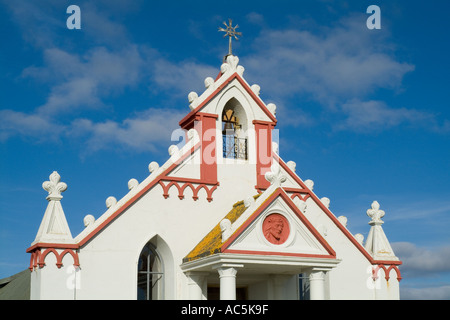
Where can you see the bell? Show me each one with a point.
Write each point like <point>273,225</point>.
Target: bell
<point>228,126</point>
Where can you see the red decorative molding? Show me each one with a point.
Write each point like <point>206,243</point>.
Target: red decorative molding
<point>387,269</point>
<point>300,193</point>
<point>35,258</point>
<point>38,257</point>
<point>181,184</point>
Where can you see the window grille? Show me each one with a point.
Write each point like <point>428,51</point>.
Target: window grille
<point>234,147</point>
<point>150,275</point>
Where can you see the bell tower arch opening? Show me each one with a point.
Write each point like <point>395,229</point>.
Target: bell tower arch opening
<point>234,131</point>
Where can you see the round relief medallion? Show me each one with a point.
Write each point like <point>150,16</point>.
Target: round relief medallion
<point>275,228</point>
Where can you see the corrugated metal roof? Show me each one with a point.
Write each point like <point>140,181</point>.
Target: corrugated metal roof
<point>16,287</point>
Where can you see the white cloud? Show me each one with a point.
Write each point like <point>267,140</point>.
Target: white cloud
<point>182,77</point>
<point>82,81</point>
<point>147,131</point>
<point>338,67</point>
<point>428,293</point>
<point>98,25</point>
<point>341,62</point>
<point>431,210</point>
<point>375,116</point>
<point>33,126</point>
<point>38,20</point>
<point>335,66</point>
<point>423,271</point>
<point>42,22</point>
<point>419,261</point>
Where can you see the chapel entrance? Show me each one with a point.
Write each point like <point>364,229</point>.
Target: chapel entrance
<point>214,293</point>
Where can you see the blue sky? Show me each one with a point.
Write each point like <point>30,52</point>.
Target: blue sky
<point>364,113</point>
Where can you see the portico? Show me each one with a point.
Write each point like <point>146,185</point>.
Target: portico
<point>277,279</point>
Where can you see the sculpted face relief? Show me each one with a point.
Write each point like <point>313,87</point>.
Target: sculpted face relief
<point>276,228</point>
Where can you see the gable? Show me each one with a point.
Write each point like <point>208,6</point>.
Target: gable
<point>278,230</point>
<point>303,191</point>
<point>278,227</point>
<point>229,83</point>
<point>241,231</point>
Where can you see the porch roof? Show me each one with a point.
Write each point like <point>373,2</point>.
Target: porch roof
<point>212,242</point>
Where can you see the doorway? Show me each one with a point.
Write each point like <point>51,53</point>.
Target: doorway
<point>214,293</point>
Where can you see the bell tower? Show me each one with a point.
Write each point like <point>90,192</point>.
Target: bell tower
<point>234,125</point>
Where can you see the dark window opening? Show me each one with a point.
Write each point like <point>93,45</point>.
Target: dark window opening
<point>234,147</point>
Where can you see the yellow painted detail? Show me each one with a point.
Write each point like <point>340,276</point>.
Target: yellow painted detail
<point>212,242</point>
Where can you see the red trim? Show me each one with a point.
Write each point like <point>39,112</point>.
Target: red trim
<point>332,216</point>
<point>52,245</point>
<point>386,271</point>
<point>187,183</point>
<point>34,259</point>
<point>38,258</point>
<point>188,119</point>
<point>273,253</point>
<point>256,99</point>
<point>263,130</point>
<point>295,190</point>
<point>189,122</point>
<point>206,128</point>
<point>300,196</point>
<point>279,193</point>
<point>205,124</point>
<point>271,123</point>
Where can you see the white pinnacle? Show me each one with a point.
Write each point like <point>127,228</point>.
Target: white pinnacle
<point>54,227</point>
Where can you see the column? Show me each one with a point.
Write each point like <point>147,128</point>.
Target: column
<point>227,277</point>
<point>279,286</point>
<point>195,285</point>
<point>317,285</point>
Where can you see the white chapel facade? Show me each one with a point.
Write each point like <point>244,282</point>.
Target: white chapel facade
<point>223,218</point>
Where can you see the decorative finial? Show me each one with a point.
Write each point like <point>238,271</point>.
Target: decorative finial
<point>54,187</point>
<point>275,176</point>
<point>377,243</point>
<point>375,214</point>
<point>54,228</point>
<point>230,32</point>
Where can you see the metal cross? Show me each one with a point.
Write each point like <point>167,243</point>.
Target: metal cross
<point>230,32</point>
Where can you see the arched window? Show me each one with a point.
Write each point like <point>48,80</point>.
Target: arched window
<point>150,284</point>
<point>234,131</point>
